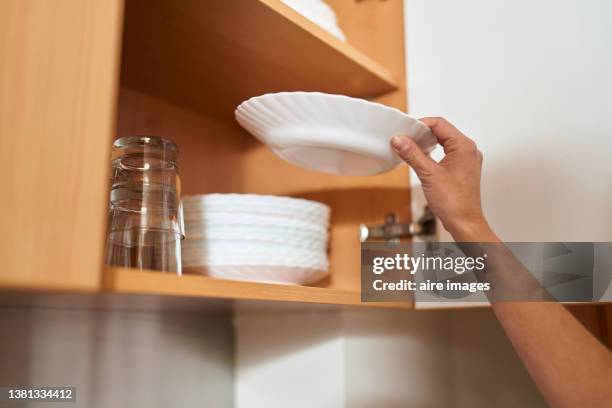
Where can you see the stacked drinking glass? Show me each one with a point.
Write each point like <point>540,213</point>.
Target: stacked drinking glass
<point>145,216</point>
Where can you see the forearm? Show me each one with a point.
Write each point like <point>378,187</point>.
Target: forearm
<point>475,230</point>
<point>569,366</point>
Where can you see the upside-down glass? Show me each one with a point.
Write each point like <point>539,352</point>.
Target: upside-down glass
<point>145,226</point>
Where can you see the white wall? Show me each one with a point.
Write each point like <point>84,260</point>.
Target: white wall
<point>530,81</point>
<point>354,358</point>
<point>288,359</point>
<point>397,359</point>
<point>120,359</point>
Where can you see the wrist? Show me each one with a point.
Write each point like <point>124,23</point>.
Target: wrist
<point>471,229</point>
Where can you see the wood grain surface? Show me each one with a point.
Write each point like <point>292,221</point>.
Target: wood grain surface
<point>58,80</point>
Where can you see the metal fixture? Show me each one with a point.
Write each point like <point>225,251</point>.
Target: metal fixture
<point>392,231</point>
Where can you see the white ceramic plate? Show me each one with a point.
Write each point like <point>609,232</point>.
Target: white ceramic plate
<point>235,235</point>
<point>254,233</point>
<point>306,210</point>
<point>257,200</point>
<point>331,133</point>
<point>319,13</point>
<point>198,221</point>
<point>218,261</point>
<point>246,248</point>
<point>282,274</point>
<point>192,263</point>
<point>210,211</point>
<point>246,255</point>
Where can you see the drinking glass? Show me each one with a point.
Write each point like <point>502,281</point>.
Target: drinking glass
<point>145,225</point>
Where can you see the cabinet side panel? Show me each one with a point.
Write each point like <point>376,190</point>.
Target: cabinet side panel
<point>58,80</point>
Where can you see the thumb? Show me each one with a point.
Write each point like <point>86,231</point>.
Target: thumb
<point>422,164</point>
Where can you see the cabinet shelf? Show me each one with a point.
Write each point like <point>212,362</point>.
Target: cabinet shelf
<point>211,55</point>
<point>126,281</point>
<point>184,66</point>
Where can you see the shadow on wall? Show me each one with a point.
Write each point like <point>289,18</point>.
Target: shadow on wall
<point>15,345</point>
<point>118,358</point>
<point>487,372</point>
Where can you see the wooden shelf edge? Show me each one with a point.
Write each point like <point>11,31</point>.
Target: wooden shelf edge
<point>344,48</point>
<point>130,281</point>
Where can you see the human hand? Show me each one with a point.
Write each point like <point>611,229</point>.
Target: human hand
<point>451,186</point>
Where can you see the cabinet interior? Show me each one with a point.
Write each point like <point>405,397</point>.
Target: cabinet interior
<point>186,66</point>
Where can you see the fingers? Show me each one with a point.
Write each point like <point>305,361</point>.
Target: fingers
<point>422,164</point>
<point>443,129</point>
<point>448,135</point>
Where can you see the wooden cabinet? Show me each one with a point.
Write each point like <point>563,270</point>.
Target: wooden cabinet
<point>58,84</point>
<point>77,74</point>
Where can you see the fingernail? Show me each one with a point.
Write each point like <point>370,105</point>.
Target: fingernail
<point>397,142</point>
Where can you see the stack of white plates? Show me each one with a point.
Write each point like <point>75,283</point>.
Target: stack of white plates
<point>256,237</point>
<point>319,13</point>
